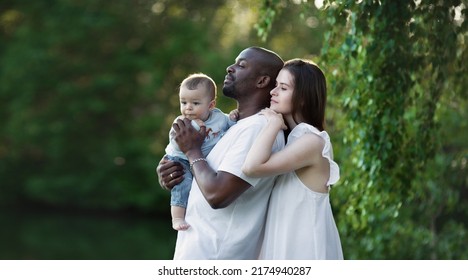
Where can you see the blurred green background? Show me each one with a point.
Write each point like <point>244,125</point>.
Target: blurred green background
<point>88,90</point>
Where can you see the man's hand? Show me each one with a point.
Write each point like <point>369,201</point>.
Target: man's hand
<point>170,173</point>
<point>187,137</point>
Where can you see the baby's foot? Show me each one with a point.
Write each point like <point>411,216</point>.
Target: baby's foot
<point>179,224</point>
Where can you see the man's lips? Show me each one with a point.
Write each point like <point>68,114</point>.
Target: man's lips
<point>228,79</point>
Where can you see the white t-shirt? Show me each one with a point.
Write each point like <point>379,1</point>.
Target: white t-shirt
<point>234,232</point>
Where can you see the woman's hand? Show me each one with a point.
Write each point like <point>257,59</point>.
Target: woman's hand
<point>274,118</point>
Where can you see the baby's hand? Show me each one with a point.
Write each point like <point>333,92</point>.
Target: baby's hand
<point>234,115</point>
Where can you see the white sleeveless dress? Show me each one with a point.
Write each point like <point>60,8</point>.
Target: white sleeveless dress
<point>300,223</point>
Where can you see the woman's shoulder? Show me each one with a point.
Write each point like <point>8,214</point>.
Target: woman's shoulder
<point>321,142</point>
<point>305,128</point>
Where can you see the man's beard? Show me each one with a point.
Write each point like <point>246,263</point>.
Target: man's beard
<point>229,91</point>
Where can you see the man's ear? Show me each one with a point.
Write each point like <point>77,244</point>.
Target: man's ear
<point>263,81</point>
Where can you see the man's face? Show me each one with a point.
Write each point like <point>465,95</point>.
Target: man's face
<point>241,75</point>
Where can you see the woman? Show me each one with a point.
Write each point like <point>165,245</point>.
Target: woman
<point>300,223</point>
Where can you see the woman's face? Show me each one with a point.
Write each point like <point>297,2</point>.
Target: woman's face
<point>281,95</point>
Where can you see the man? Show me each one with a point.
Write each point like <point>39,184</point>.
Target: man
<point>227,209</point>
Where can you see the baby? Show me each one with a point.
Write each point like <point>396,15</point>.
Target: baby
<point>197,96</point>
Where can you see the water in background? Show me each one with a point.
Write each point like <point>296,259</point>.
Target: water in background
<point>54,235</point>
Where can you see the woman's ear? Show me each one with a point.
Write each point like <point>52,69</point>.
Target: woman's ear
<point>263,81</point>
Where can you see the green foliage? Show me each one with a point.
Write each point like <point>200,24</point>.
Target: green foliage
<point>267,16</point>
<point>399,61</point>
<point>398,98</point>
<point>55,96</point>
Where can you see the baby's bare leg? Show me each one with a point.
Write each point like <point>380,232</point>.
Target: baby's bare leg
<point>178,218</point>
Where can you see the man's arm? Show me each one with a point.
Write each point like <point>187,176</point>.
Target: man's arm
<point>220,189</point>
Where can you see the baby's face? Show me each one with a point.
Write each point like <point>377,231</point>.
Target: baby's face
<point>195,104</point>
